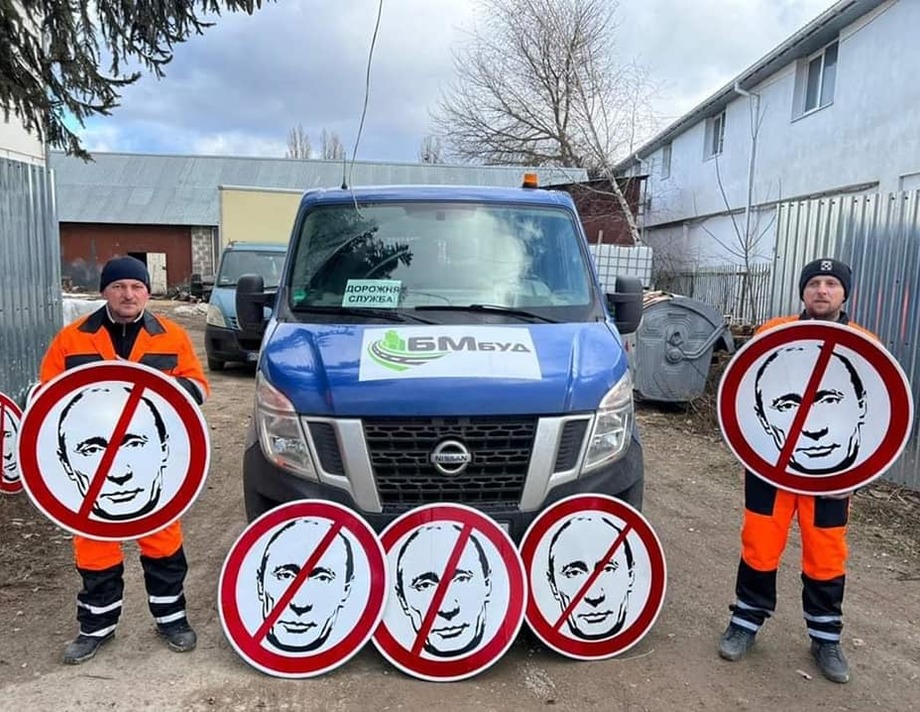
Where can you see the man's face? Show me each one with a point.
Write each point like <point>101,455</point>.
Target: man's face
<point>460,622</point>
<point>127,298</point>
<point>133,484</point>
<point>309,617</point>
<point>10,465</point>
<point>823,297</point>
<point>829,441</point>
<point>577,551</point>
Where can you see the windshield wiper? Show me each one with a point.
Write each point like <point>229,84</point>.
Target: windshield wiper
<point>488,309</point>
<point>392,314</point>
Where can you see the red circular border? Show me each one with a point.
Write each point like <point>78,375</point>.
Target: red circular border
<point>887,368</point>
<point>8,404</point>
<point>94,374</point>
<point>301,665</point>
<point>487,655</point>
<point>625,639</point>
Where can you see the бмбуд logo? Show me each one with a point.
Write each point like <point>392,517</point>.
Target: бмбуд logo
<point>391,351</point>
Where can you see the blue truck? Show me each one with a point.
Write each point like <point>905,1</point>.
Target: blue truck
<point>223,339</point>
<point>440,344</point>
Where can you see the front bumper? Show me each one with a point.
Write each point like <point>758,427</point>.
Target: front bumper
<point>265,486</point>
<point>222,344</point>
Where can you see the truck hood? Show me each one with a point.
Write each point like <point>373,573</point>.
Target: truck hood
<point>394,370</point>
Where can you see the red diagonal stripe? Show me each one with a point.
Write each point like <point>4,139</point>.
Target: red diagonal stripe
<point>108,458</point>
<point>441,591</point>
<point>298,581</point>
<point>808,399</point>
<point>586,586</point>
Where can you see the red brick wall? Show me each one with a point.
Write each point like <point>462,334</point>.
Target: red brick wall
<point>600,210</point>
<point>85,247</point>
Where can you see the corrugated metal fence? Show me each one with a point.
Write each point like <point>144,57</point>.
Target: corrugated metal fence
<point>30,274</point>
<point>879,236</point>
<point>742,297</point>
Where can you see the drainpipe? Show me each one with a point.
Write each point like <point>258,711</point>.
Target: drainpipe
<point>642,198</point>
<point>754,100</point>
<point>755,129</point>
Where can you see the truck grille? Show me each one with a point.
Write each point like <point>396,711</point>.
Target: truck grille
<point>400,451</point>
<point>232,323</point>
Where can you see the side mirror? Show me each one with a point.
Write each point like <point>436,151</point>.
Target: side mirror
<point>250,302</point>
<point>626,304</point>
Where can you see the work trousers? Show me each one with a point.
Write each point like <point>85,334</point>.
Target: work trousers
<point>768,514</point>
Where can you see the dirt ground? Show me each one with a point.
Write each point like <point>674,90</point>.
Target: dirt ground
<point>693,500</point>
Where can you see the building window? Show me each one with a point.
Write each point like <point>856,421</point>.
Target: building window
<point>666,161</point>
<point>715,135</point>
<point>815,80</point>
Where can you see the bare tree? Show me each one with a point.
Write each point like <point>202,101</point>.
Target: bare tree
<point>431,150</point>
<point>298,143</point>
<point>51,56</point>
<point>331,146</point>
<point>745,241</point>
<point>539,84</point>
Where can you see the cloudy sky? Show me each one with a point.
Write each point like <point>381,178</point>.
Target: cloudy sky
<point>241,87</point>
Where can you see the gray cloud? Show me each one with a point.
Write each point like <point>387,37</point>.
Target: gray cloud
<point>240,87</point>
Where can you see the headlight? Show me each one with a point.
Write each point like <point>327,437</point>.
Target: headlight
<point>612,426</point>
<point>280,431</point>
<point>215,317</point>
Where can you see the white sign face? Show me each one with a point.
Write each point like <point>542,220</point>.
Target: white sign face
<point>474,606</point>
<point>148,469</point>
<point>846,423</point>
<point>380,293</point>
<point>448,352</point>
<point>565,558</point>
<point>328,604</point>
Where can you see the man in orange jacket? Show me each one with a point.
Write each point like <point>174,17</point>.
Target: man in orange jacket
<point>824,286</point>
<point>123,329</point>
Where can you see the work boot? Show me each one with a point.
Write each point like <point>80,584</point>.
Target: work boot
<point>179,636</point>
<point>831,660</point>
<point>83,647</point>
<point>735,642</point>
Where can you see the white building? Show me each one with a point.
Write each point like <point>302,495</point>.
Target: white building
<point>833,110</point>
<point>17,144</point>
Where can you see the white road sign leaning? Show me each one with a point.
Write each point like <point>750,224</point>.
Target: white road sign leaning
<point>596,576</point>
<point>815,407</point>
<point>302,589</point>
<point>10,417</point>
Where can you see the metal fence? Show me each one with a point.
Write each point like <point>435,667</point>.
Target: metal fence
<point>741,296</point>
<point>30,265</point>
<point>879,236</point>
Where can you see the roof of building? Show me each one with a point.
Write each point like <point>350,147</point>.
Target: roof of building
<point>817,33</point>
<point>147,189</point>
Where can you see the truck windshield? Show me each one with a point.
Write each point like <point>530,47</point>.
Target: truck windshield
<point>404,256</point>
<point>235,263</point>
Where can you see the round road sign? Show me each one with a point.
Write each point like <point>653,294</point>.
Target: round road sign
<point>815,407</point>
<point>457,593</point>
<point>113,450</point>
<point>10,421</point>
<point>302,589</point>
<point>597,576</point>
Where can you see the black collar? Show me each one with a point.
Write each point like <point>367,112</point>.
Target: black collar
<point>98,318</point>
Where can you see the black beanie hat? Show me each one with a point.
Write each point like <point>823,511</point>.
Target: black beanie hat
<point>826,266</point>
<point>124,268</point>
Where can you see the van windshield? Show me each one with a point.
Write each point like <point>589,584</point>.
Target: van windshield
<point>448,256</point>
<point>235,263</point>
